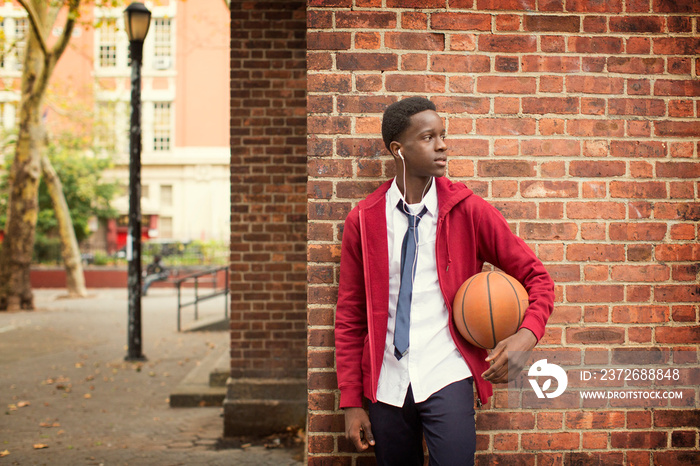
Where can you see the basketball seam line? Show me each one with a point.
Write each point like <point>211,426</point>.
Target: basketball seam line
<point>488,293</point>
<point>464,320</point>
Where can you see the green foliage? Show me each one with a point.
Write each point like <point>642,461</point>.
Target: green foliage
<point>86,193</point>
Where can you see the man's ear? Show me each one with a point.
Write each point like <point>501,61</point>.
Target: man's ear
<point>395,149</point>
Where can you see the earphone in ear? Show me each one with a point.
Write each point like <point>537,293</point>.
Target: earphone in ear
<point>400,154</point>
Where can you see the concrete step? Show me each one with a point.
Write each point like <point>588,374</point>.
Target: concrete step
<point>212,324</point>
<point>197,389</point>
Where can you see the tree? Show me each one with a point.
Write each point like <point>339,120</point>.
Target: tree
<point>38,65</point>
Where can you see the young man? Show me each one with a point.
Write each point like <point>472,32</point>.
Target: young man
<point>406,250</point>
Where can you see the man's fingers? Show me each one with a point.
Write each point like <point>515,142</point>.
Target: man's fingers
<point>367,431</point>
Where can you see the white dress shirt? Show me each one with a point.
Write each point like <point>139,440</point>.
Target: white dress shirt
<point>432,361</point>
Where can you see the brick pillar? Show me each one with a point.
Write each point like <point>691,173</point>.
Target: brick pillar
<point>578,120</point>
<point>267,387</point>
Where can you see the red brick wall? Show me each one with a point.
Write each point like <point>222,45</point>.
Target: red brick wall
<point>578,120</point>
<point>268,189</point>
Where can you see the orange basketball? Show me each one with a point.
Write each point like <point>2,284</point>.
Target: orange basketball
<point>489,307</point>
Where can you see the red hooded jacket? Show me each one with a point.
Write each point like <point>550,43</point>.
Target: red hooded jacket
<point>469,232</point>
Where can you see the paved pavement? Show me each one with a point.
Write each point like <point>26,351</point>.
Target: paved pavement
<point>67,397</point>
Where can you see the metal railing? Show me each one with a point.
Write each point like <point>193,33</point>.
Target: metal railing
<point>213,275</point>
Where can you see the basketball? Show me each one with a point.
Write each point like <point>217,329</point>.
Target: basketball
<point>489,307</point>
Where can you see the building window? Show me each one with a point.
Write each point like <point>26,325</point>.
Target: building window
<point>166,195</point>
<point>165,227</point>
<point>108,43</point>
<point>162,47</point>
<point>20,41</point>
<point>105,134</point>
<point>161,126</point>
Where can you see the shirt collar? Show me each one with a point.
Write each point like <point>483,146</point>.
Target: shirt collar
<point>430,200</point>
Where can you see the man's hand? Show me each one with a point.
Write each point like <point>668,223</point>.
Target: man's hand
<point>358,428</point>
<point>518,345</point>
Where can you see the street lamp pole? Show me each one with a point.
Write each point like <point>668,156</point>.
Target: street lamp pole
<point>137,19</point>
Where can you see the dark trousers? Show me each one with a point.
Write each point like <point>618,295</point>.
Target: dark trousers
<point>446,419</point>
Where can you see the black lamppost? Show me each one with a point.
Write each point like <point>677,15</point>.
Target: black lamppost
<point>137,19</point>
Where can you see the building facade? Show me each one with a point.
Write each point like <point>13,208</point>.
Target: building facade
<point>185,146</point>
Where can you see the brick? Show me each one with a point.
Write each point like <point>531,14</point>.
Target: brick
<point>505,442</point>
<point>415,83</point>
<point>636,24</point>
<point>367,61</point>
<point>329,83</point>
<point>414,41</point>
<point>593,64</point>
<point>636,65</point>
<point>553,84</point>
<point>685,273</point>
<point>516,210</point>
<point>527,5</point>
<point>355,189</point>
<point>596,169</point>
<point>600,128</point>
<point>638,149</point>
<point>460,22</point>
<point>414,20</point>
<point>553,44</point>
<point>508,22</point>
<point>506,84</point>
<point>676,45</point>
<point>550,441</point>
<point>595,252</point>
<point>542,23</point>
<point>415,3</point>
<point>638,419</point>
<point>675,6</point>
<point>638,231</point>
<point>457,105</point>
<point>463,42</point>
<point>595,210</point>
<point>551,126</point>
<point>549,189</point>
<point>505,126</point>
<point>646,440</point>
<point>328,125</point>
<point>678,169</point>
<point>544,105</point>
<point>365,20</point>
<point>678,211</point>
<point>580,420</point>
<point>460,63</point>
<point>596,273</point>
<point>562,272</point>
<point>510,43</point>
<point>640,273</point>
<point>603,45</point>
<point>595,335</point>
<point>318,61</point>
<point>368,40</point>
<point>677,252</point>
<point>677,128</point>
<point>318,19</point>
<point>682,231</point>
<point>595,84</point>
<point>507,64</point>
<point>680,294</point>
<point>486,420</point>
<point>551,210</point>
<point>593,106</point>
<point>680,66</point>
<point>330,168</point>
<point>328,40</point>
<point>549,231</point>
<point>367,83</point>
<point>680,109</point>
<point>679,87</point>
<point>640,314</point>
<point>641,129</point>
<point>354,147</point>
<point>506,105</point>
<point>497,168</point>
<point>639,45</point>
<point>364,104</point>
<point>461,84</point>
<point>638,189</point>
<point>594,6</point>
<point>638,87</point>
<point>330,3</point>
<point>414,62</point>
<point>592,231</point>
<point>643,107</point>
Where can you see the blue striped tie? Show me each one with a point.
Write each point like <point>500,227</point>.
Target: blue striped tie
<point>403,306</point>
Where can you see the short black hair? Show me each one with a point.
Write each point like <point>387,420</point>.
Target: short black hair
<point>397,116</point>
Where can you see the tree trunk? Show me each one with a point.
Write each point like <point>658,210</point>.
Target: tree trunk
<point>23,205</point>
<point>23,209</point>
<point>75,279</point>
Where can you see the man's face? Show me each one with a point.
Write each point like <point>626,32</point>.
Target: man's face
<point>423,145</point>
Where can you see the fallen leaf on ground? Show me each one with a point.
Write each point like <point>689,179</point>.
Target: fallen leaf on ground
<point>4,453</point>
<point>23,404</point>
<point>39,446</point>
<point>50,424</point>
<point>87,395</point>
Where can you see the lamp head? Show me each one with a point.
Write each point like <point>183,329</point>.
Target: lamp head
<point>137,19</point>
